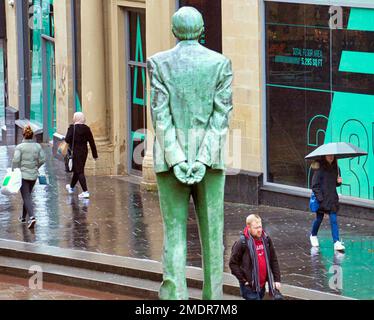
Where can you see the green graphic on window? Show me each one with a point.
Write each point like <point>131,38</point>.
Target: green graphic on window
<point>352,119</point>
<point>355,125</point>
<point>139,58</point>
<point>361,19</point>
<point>357,62</point>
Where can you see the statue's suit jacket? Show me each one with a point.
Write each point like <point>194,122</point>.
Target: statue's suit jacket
<point>191,100</point>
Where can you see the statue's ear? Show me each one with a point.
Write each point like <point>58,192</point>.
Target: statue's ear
<point>202,31</point>
<point>172,30</point>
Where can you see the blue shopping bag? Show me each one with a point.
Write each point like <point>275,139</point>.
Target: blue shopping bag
<point>313,203</point>
<point>43,180</point>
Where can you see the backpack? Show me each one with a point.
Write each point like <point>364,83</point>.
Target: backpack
<point>242,240</point>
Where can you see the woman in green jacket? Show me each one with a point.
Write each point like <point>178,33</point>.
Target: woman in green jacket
<point>29,157</point>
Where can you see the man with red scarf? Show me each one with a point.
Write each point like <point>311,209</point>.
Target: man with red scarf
<point>254,262</point>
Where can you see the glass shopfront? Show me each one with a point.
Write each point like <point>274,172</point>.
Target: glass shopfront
<point>41,38</point>
<point>319,89</point>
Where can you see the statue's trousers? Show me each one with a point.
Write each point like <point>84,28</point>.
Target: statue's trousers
<point>208,197</point>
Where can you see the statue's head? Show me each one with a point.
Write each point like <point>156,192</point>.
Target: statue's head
<point>188,24</point>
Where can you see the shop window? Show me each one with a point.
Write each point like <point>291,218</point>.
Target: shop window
<point>319,88</point>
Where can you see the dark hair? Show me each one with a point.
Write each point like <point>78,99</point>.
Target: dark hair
<point>28,133</point>
<point>325,164</point>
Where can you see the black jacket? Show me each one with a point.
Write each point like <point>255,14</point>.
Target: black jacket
<point>324,184</point>
<point>241,263</point>
<point>83,135</point>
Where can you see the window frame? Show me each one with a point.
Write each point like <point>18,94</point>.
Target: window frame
<point>277,187</point>
<point>129,90</point>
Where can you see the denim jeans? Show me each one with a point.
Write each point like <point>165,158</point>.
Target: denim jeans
<point>333,223</point>
<point>248,294</point>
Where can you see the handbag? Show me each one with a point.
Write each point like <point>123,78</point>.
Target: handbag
<point>313,203</point>
<point>70,164</point>
<point>278,295</point>
<point>63,148</point>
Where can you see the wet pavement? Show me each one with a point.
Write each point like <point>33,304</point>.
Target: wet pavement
<point>121,219</point>
<point>12,288</point>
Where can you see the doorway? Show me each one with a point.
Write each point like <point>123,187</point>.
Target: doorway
<point>137,96</point>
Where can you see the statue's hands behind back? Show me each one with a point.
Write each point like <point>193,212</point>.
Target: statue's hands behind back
<point>196,173</point>
<point>180,171</point>
<point>190,174</point>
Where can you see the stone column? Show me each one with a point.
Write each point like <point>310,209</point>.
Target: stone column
<point>94,100</point>
<point>93,66</point>
<point>159,38</point>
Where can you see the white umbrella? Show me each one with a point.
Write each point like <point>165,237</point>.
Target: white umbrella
<point>341,150</point>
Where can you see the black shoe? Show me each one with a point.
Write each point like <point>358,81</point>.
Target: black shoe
<point>22,220</point>
<point>31,224</point>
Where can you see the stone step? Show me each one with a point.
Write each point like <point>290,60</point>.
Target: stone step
<point>90,279</point>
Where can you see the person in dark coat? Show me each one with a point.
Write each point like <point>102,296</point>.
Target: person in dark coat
<point>78,135</point>
<point>326,179</point>
<point>254,262</point>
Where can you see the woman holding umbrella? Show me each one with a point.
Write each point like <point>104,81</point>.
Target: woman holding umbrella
<point>326,179</point>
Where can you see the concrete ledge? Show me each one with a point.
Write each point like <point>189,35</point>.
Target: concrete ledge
<point>57,139</point>
<point>298,199</point>
<point>243,187</point>
<point>124,268</point>
<point>21,124</point>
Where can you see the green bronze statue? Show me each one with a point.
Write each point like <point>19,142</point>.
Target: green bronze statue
<point>191,101</point>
